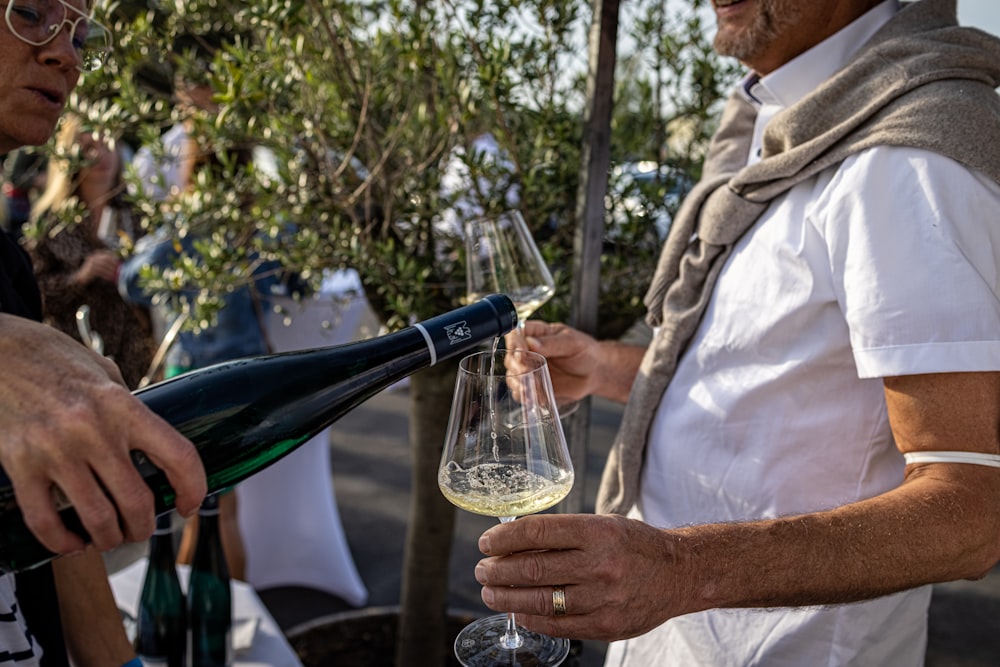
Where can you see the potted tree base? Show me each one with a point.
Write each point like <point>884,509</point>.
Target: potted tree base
<point>367,638</point>
<point>361,638</point>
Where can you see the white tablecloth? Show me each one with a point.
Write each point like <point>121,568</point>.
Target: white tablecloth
<point>287,513</point>
<point>257,638</point>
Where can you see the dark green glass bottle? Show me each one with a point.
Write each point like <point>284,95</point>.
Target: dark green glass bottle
<point>244,415</point>
<point>161,620</point>
<point>210,598</point>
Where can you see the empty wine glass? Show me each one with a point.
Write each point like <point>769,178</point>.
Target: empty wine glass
<point>505,455</point>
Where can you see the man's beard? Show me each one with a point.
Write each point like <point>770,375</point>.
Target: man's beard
<point>770,21</point>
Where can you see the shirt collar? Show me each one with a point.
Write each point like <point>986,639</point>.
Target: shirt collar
<point>800,76</point>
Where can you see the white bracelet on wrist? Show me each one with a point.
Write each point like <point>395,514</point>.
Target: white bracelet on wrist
<point>976,458</point>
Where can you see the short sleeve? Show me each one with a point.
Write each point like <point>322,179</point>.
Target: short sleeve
<point>914,243</point>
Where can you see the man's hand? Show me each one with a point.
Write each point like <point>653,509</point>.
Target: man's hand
<point>579,364</point>
<point>68,421</point>
<point>615,573</point>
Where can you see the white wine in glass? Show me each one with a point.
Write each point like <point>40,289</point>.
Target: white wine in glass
<point>505,455</point>
<point>502,257</point>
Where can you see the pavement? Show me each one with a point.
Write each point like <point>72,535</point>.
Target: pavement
<point>370,469</point>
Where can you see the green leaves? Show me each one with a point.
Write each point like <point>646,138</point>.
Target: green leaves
<point>360,109</point>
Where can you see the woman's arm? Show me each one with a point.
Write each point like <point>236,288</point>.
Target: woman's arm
<point>155,250</point>
<point>92,624</point>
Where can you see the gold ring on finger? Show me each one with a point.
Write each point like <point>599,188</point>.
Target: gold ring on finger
<point>558,601</point>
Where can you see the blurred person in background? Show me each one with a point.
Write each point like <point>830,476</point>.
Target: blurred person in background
<point>24,177</point>
<point>161,169</point>
<point>80,228</point>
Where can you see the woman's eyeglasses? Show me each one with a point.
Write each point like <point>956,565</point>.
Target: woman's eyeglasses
<point>37,22</point>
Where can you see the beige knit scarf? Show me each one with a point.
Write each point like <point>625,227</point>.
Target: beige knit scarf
<point>921,82</point>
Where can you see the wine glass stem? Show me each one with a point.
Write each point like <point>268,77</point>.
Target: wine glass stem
<point>510,639</point>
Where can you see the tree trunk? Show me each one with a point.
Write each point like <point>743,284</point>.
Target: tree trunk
<point>431,525</point>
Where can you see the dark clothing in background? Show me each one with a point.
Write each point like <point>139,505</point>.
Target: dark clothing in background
<point>36,591</point>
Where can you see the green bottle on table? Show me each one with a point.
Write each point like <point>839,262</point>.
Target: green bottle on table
<point>210,601</point>
<point>161,621</point>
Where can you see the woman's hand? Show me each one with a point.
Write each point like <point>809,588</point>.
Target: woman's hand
<point>100,264</point>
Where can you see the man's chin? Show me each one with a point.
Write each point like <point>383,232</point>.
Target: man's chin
<point>729,45</point>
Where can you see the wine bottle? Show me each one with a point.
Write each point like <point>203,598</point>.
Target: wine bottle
<point>210,598</point>
<point>244,415</point>
<point>161,621</point>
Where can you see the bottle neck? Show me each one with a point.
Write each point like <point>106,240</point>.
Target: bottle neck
<point>162,554</point>
<point>209,555</point>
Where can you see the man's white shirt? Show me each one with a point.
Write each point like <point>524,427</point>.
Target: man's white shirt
<point>877,267</point>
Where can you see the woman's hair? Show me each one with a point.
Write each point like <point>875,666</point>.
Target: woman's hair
<point>64,167</point>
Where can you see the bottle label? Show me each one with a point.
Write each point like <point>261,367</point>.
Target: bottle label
<point>458,332</point>
<point>452,333</point>
<point>455,333</point>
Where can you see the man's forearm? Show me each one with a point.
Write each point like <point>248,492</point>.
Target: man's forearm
<point>619,366</point>
<point>926,531</point>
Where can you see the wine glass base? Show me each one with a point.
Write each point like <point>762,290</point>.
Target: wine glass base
<point>478,645</point>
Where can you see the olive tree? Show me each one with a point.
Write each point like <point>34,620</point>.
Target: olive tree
<point>364,107</point>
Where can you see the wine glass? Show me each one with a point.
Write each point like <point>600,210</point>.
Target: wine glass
<point>505,455</point>
<point>501,257</point>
